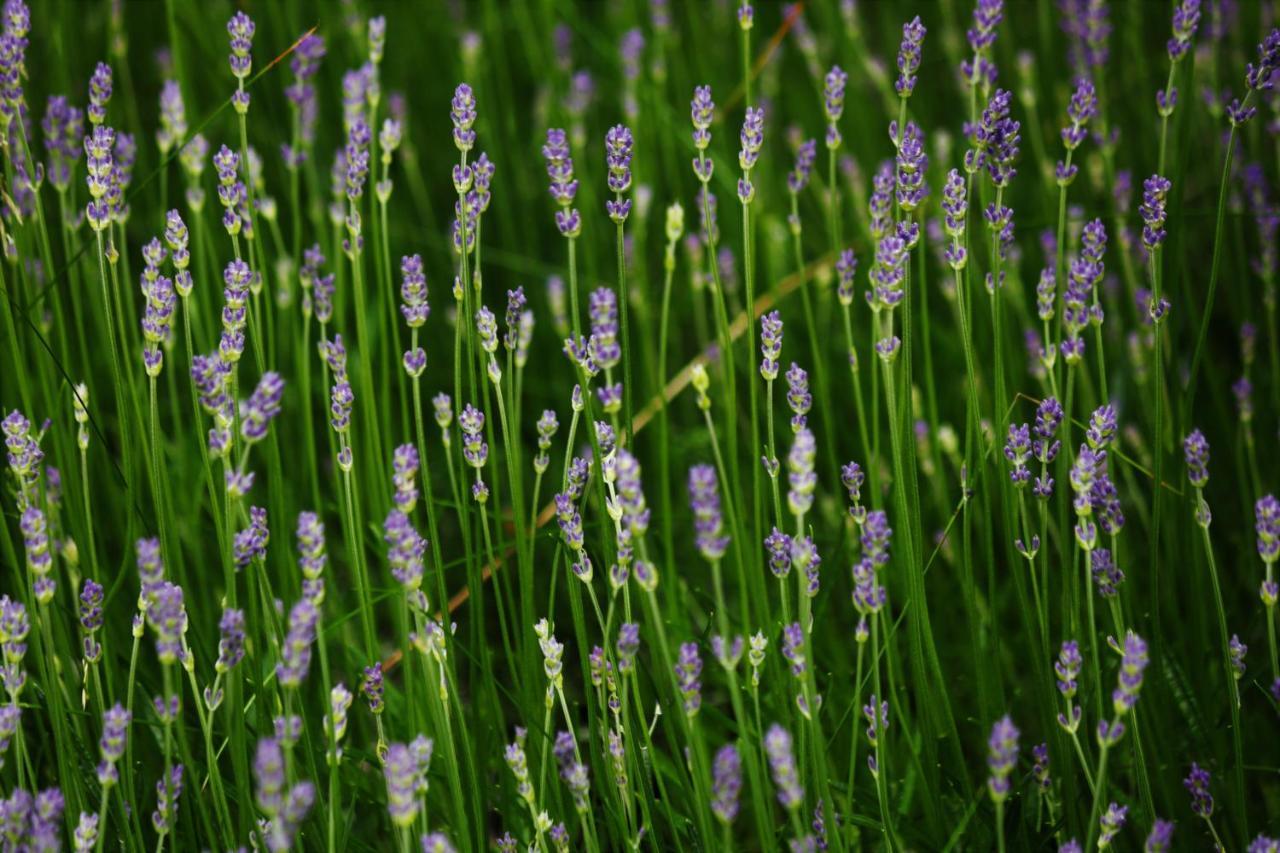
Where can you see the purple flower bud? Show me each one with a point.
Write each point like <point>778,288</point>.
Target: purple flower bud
<point>1154,191</point>
<point>1259,77</point>
<point>371,687</point>
<point>798,396</point>
<point>405,549</point>
<point>618,142</point>
<point>703,111</point>
<point>1002,757</point>
<point>1236,653</point>
<point>782,764</point>
<point>399,770</point>
<point>1267,526</point>
<point>909,56</point>
<point>778,546</point>
<point>231,644</point>
<point>1133,662</point>
<point>726,784</point>
<point>295,651</point>
<point>99,93</point>
<point>1161,837</point>
<point>628,646</point>
<point>1017,450</point>
<point>798,178</point>
<point>688,672</point>
<point>462,111</point>
<point>1067,668</point>
<point>704,499</point>
<point>911,165</point>
<point>1111,822</point>
<point>1197,785</point>
<point>168,792</point>
<point>240,28</point>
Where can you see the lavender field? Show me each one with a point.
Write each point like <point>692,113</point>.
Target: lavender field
<point>639,425</point>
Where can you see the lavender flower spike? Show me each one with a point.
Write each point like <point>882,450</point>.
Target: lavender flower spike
<point>618,142</point>
<point>909,57</point>
<point>1197,785</point>
<point>1002,758</point>
<point>782,764</point>
<point>726,784</point>
<point>704,498</point>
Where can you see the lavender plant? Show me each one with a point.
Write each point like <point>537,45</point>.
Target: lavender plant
<point>752,595</point>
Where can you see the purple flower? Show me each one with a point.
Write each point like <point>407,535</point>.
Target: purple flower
<point>618,142</point>
<point>1067,668</point>
<point>168,792</point>
<point>462,111</point>
<point>751,138</point>
<point>846,270</point>
<point>1041,768</point>
<point>400,770</point>
<point>1259,77</point>
<point>793,648</point>
<point>35,540</point>
<point>262,406</point>
<point>1242,390</point>
<point>1160,838</point>
<point>563,185</point>
<point>1186,18</point>
<point>371,688</point>
<point>240,28</point>
<point>703,111</point>
<point>474,450</point>
<point>268,773</point>
<point>90,611</point>
<point>405,549</point>
<point>704,498</point>
<point>798,396</point>
<point>798,178</point>
<point>628,646</point>
<point>115,728</point>
<point>778,545</point>
<point>99,94</point>
<point>688,671</point>
<point>911,165</point>
<point>888,273</point>
<point>726,783</point>
<point>1106,574</point>
<point>770,344</point>
<point>995,139</point>
<point>1002,757</point>
<point>987,15</point>
<point>782,764</point>
<point>1017,449</point>
<point>1197,785</point>
<point>1236,652</point>
<point>876,713</point>
<point>1196,449</point>
<point>167,615</point>
<point>99,174</point>
<point>231,641</point>
<point>438,842</point>
<point>800,474</point>
<point>63,128</point>
<point>1082,107</point>
<point>1133,662</point>
<point>1154,191</point>
<point>1267,526</point>
<point>1111,822</point>
<point>295,651</point>
<point>909,57</point>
